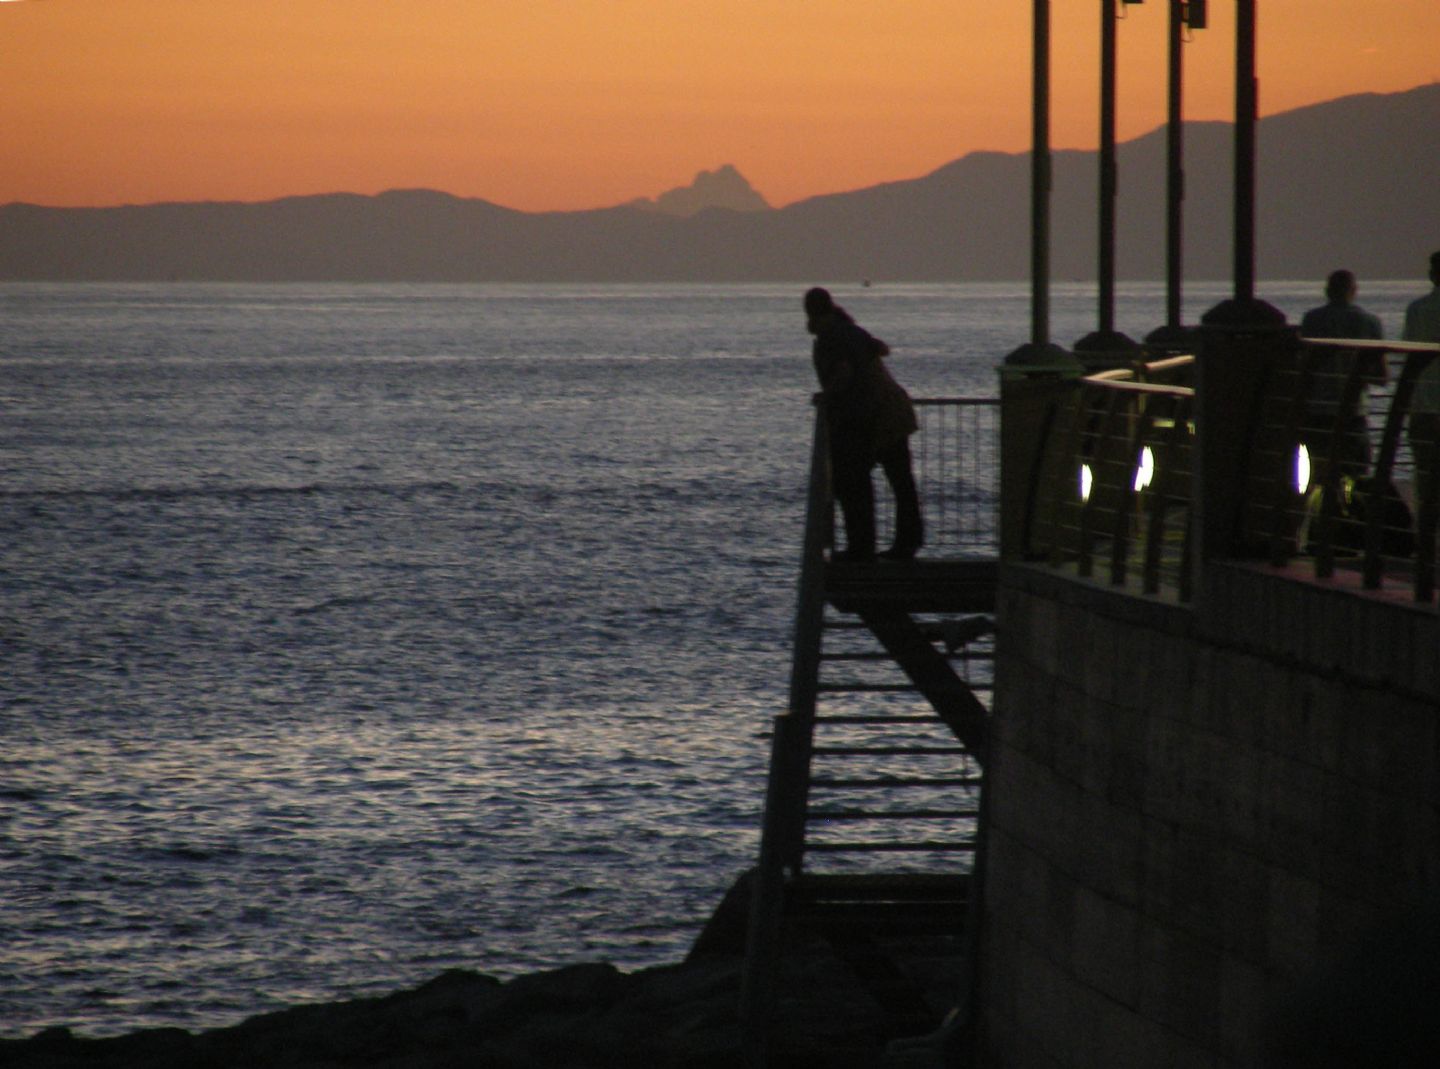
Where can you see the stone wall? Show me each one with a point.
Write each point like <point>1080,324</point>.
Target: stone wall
<point>1196,813</point>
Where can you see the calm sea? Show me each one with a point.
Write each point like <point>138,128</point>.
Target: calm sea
<point>352,633</point>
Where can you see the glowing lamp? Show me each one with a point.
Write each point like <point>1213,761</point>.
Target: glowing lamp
<point>1145,472</point>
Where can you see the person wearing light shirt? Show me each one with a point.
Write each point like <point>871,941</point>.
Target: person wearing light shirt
<point>1422,317</point>
<point>1422,323</point>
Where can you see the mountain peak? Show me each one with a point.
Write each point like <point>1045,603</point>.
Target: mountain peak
<point>724,187</point>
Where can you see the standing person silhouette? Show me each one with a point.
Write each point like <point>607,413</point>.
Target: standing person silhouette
<point>1422,323</point>
<point>870,420</point>
<point>1341,317</point>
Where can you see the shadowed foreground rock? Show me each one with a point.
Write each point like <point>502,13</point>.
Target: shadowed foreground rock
<point>581,1017</point>
<point>680,1016</point>
<point>584,1015</point>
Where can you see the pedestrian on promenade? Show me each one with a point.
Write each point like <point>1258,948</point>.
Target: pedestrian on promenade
<point>1422,323</point>
<point>1341,317</point>
<point>870,418</point>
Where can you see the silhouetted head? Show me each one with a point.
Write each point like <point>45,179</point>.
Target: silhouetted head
<point>1340,286</point>
<point>818,302</point>
<point>819,308</point>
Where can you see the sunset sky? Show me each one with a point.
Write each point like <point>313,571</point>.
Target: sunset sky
<point>567,104</point>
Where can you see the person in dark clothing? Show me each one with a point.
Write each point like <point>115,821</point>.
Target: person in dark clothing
<point>1341,317</point>
<point>870,419</point>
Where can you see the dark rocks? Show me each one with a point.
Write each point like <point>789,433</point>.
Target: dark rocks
<point>580,1016</point>
<point>592,1016</point>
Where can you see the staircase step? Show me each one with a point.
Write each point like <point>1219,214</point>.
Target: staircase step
<point>890,916</point>
<point>867,688</point>
<point>878,718</point>
<point>891,751</point>
<point>919,846</point>
<point>861,783</point>
<point>892,814</point>
<point>879,887</point>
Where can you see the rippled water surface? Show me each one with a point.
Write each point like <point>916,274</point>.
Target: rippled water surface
<point>350,633</point>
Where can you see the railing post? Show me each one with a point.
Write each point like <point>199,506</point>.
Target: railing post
<point>1235,451</point>
<point>1173,474</point>
<point>782,830</point>
<point>1332,477</point>
<point>1109,489</point>
<point>1029,401</point>
<point>1142,421</point>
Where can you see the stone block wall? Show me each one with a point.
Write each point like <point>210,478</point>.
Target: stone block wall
<point>1196,812</point>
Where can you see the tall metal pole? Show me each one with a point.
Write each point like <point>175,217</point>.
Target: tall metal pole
<point>1040,181</point>
<point>1244,309</point>
<point>1247,92</point>
<point>1039,351</point>
<point>1105,344</point>
<point>1107,167</point>
<point>1172,335</point>
<point>1174,172</point>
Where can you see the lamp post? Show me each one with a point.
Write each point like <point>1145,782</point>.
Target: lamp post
<point>1184,14</point>
<point>1040,180</point>
<point>1040,351</point>
<point>1105,344</point>
<point>1244,308</point>
<point>1247,106</point>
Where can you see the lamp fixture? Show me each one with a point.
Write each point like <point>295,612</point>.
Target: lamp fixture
<point>1145,471</point>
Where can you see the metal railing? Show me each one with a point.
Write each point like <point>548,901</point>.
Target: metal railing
<point>1112,488</point>
<point>1331,475</point>
<point>896,806</point>
<point>1337,471</point>
<point>956,455</point>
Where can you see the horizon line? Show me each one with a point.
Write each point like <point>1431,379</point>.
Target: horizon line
<point>635,202</point>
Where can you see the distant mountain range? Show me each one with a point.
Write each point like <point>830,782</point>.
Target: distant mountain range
<point>1351,182</point>
<point>724,187</point>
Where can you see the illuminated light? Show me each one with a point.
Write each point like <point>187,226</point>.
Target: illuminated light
<point>1145,473</point>
<point>1302,469</point>
<point>1087,480</point>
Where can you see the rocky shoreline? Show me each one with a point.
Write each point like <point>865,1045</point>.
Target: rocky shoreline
<point>681,1016</point>
<point>590,1015</point>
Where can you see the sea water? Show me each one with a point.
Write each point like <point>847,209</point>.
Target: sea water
<point>353,633</point>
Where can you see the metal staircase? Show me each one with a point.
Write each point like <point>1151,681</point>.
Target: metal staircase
<point>903,773</point>
<point>872,808</point>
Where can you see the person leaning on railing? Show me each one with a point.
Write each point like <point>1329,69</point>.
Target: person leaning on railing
<point>1422,323</point>
<point>870,419</point>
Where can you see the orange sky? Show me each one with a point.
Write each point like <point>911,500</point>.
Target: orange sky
<point>560,104</point>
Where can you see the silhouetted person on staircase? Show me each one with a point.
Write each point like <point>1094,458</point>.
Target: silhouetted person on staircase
<point>870,419</point>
